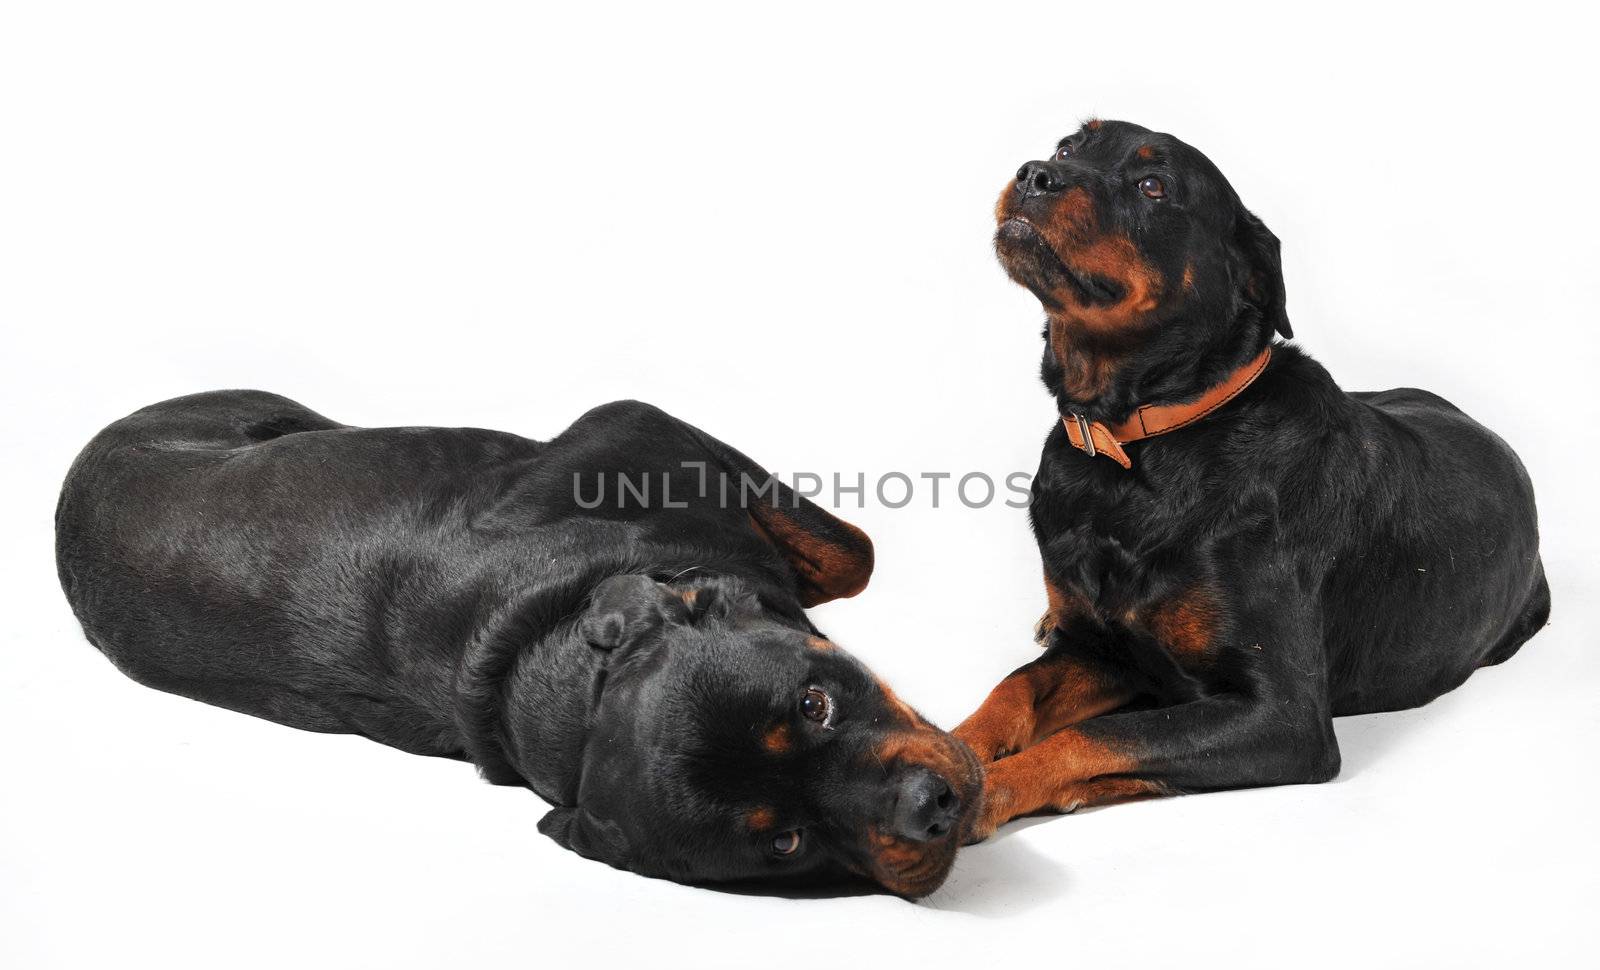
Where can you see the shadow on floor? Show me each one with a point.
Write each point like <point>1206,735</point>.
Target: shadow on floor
<point>1365,739</point>
<point>1002,877</point>
<point>829,889</point>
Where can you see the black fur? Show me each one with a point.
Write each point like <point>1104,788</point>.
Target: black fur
<point>1357,551</point>
<point>444,591</point>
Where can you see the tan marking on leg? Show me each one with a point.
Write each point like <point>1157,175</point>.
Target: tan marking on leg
<point>1065,772</point>
<point>1035,702</point>
<point>1077,697</point>
<point>1003,722</point>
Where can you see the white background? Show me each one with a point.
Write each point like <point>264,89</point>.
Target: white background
<point>776,226</point>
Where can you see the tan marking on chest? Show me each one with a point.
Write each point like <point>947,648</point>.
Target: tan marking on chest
<point>1084,375</point>
<point>1186,624</point>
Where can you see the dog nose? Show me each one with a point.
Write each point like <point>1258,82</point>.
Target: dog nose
<point>924,808</point>
<point>1040,178</point>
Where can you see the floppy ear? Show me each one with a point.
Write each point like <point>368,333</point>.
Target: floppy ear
<point>1264,285</point>
<point>831,558</point>
<point>588,835</point>
<point>623,609</point>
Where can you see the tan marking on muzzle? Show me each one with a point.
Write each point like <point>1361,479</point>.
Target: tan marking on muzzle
<point>1073,235</point>
<point>909,868</point>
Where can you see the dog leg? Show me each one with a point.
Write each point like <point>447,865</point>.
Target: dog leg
<point>1037,700</point>
<point>1216,743</point>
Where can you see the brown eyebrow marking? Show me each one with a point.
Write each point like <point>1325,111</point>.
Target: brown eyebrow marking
<point>901,710</point>
<point>777,740</point>
<point>760,818</point>
<point>1093,124</point>
<point>1146,152</point>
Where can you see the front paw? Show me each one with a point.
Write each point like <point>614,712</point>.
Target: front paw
<point>1043,627</point>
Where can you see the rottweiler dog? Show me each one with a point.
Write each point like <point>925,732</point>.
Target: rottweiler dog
<point>1235,550</point>
<point>613,618</point>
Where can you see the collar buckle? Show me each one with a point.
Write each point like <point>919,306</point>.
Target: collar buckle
<point>1083,432</point>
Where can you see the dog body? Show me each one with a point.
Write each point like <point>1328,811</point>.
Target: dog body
<point>597,617</point>
<point>1290,554</point>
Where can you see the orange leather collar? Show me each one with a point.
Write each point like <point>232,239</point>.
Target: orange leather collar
<point>1094,438</point>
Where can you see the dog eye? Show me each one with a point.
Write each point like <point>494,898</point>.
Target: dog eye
<point>1064,152</point>
<point>787,843</point>
<point>817,706</point>
<point>1153,188</point>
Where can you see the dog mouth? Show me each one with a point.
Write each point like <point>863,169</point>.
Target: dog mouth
<point>918,875</point>
<point>1034,263</point>
<point>913,869</point>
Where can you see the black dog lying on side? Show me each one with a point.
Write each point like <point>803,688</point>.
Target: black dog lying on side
<point>645,666</point>
<point>1235,550</point>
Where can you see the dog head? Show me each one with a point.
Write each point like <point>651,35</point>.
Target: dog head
<point>728,744</point>
<point>1137,245</point>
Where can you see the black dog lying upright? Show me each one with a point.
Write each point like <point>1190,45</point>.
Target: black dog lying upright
<point>1235,550</point>
<point>612,618</point>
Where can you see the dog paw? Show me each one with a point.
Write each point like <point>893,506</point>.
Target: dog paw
<point>1042,629</point>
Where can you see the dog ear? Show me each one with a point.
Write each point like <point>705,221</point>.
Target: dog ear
<point>1263,287</point>
<point>831,559</point>
<point>588,835</point>
<point>624,608</point>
